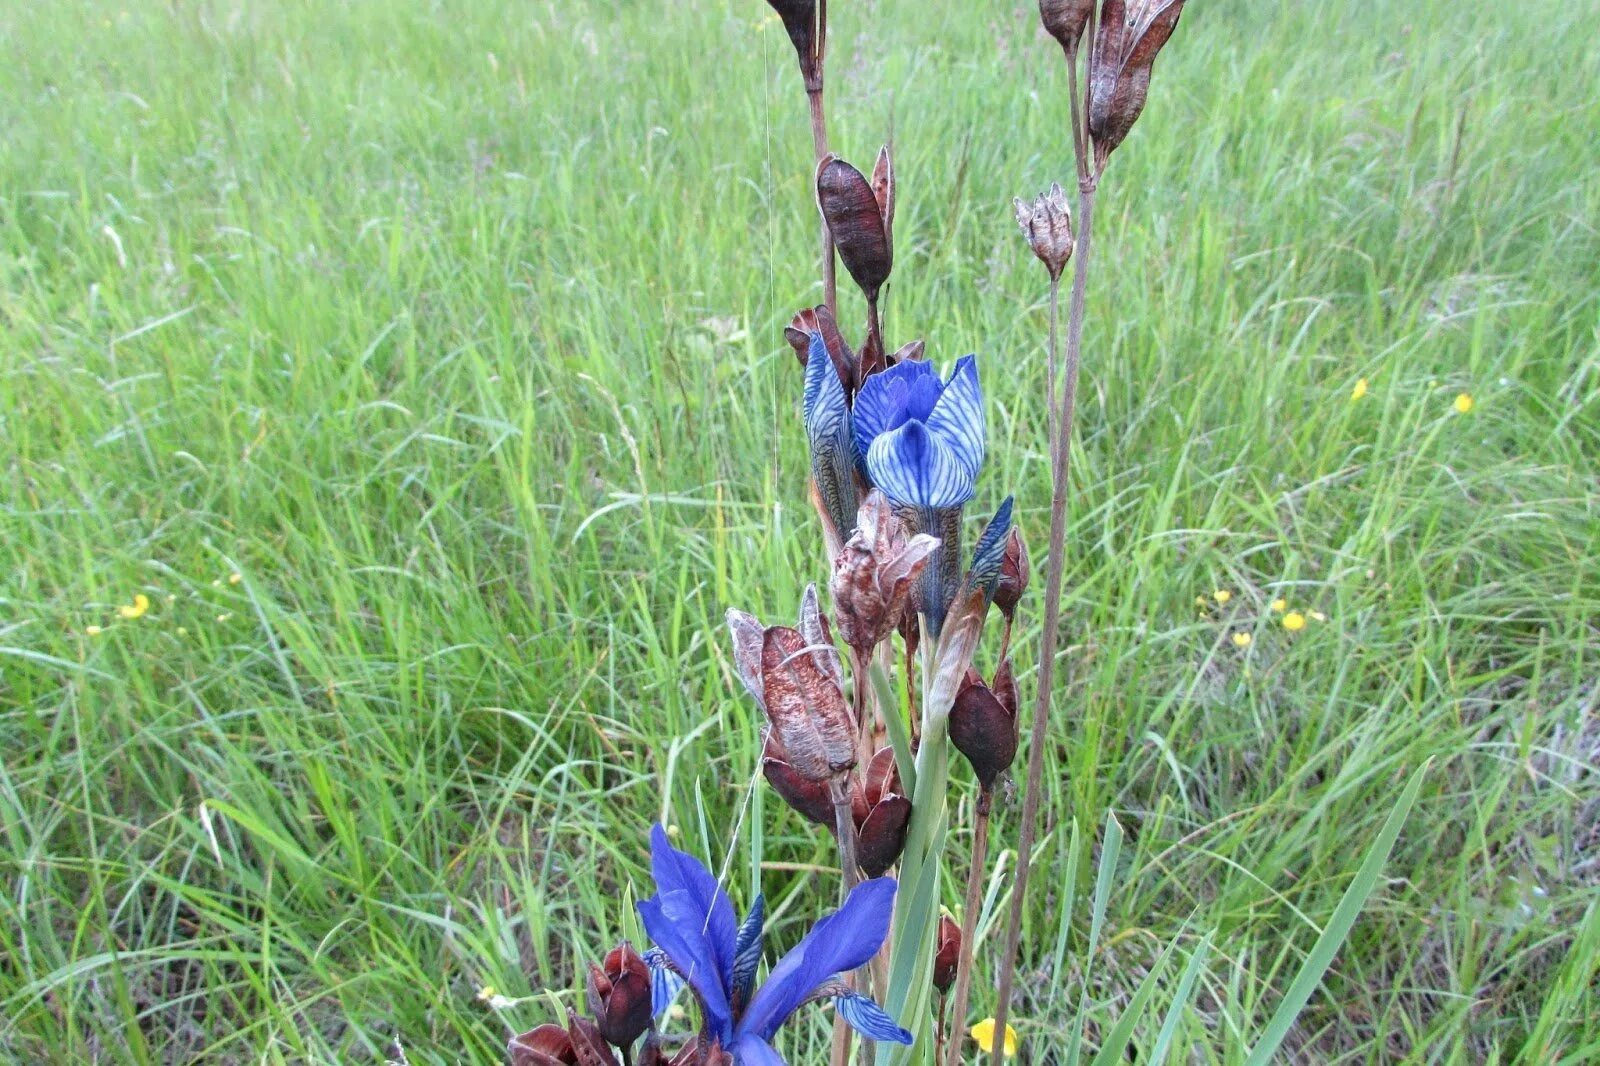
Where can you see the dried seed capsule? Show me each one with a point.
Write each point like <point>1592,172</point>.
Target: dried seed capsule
<point>947,955</point>
<point>1125,46</point>
<point>857,222</point>
<point>619,995</point>
<point>1066,19</point>
<point>1047,223</point>
<point>875,573</point>
<point>984,730</point>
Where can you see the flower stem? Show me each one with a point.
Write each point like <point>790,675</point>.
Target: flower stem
<point>969,920</point>
<point>819,144</point>
<point>1060,462</point>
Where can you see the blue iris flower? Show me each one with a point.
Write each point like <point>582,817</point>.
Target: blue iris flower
<point>922,439</point>
<point>692,922</point>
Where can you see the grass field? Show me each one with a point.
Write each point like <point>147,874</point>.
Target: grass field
<point>422,364</point>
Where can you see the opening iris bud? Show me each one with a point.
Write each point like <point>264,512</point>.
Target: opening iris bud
<point>860,217</point>
<point>1125,45</point>
<point>619,995</point>
<point>983,727</point>
<point>947,955</point>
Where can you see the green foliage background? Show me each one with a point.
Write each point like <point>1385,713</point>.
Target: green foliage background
<point>454,330</point>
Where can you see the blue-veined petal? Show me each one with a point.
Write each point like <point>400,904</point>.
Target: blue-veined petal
<point>842,941</point>
<point>886,400</point>
<point>915,468</point>
<point>751,1050</point>
<point>990,553</point>
<point>958,419</point>
<point>747,950</point>
<point>664,983</point>
<point>827,418</point>
<point>869,1019</point>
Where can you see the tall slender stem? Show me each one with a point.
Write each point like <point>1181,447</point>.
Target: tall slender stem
<point>969,923</point>
<point>1060,462</point>
<point>819,144</point>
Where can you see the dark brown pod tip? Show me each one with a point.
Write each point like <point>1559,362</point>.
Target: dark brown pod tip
<point>800,22</point>
<point>1125,47</point>
<point>982,729</point>
<point>1014,572</point>
<point>947,955</point>
<point>882,837</point>
<point>856,223</point>
<point>1065,20</point>
<point>619,995</point>
<point>546,1045</point>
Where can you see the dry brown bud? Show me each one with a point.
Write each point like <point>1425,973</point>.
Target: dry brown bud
<point>1126,42</point>
<point>1047,223</point>
<point>619,996</point>
<point>547,1045</point>
<point>984,730</point>
<point>1066,19</point>
<point>1014,572</point>
<point>882,816</point>
<point>875,573</point>
<point>819,320</point>
<point>800,21</point>
<point>947,955</point>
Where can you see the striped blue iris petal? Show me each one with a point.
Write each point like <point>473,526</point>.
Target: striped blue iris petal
<point>747,950</point>
<point>990,553</point>
<point>664,984</point>
<point>884,399</point>
<point>869,1019</point>
<point>827,413</point>
<point>915,468</point>
<point>958,418</point>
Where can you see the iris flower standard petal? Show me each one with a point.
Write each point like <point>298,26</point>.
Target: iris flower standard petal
<point>921,440</point>
<point>958,418</point>
<point>840,942</point>
<point>890,397</point>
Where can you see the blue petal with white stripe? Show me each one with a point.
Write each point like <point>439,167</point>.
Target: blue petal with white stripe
<point>958,418</point>
<point>827,418</point>
<point>915,468</point>
<point>664,983</point>
<point>870,1020</point>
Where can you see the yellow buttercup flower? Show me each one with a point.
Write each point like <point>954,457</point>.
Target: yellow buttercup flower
<point>1294,621</point>
<point>1317,616</point>
<point>486,993</point>
<point>1360,390</point>
<point>1222,595</point>
<point>93,631</point>
<point>1463,403</point>
<point>1242,639</point>
<point>983,1033</point>
<point>235,578</point>
<point>1279,605</point>
<point>136,609</point>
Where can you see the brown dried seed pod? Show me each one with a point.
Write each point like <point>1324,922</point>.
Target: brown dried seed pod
<point>856,222</point>
<point>1066,19</point>
<point>1125,47</point>
<point>806,705</point>
<point>1047,224</point>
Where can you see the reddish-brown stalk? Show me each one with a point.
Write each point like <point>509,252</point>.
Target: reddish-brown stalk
<point>969,919</point>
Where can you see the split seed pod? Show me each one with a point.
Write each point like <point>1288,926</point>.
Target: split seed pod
<point>804,701</point>
<point>859,215</point>
<point>1125,47</point>
<point>875,573</point>
<point>546,1045</point>
<point>1047,223</point>
<point>882,816</point>
<point>800,22</point>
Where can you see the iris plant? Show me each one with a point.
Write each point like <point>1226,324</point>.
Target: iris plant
<point>692,921</point>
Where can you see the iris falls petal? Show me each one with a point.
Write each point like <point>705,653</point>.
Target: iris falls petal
<point>869,1019</point>
<point>915,468</point>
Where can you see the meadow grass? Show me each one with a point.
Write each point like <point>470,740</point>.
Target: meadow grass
<point>422,364</point>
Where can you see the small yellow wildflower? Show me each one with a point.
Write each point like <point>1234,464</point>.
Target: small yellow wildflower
<point>1222,595</point>
<point>182,632</point>
<point>235,577</point>
<point>225,616</point>
<point>1463,403</point>
<point>136,609</point>
<point>1360,390</point>
<point>1201,602</point>
<point>1279,605</point>
<point>1242,639</point>
<point>486,993</point>
<point>983,1033</point>
<point>674,832</point>
<point>1317,616</point>
<point>171,599</point>
<point>216,583</point>
<point>92,631</point>
<point>1294,621</point>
